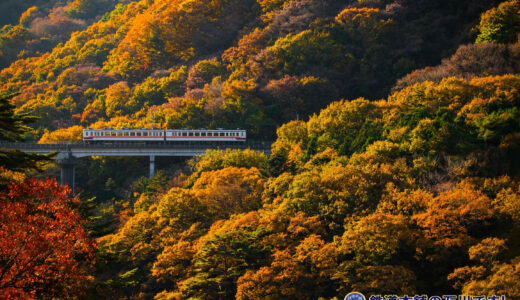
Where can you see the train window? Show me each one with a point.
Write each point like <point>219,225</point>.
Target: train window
<point>132,133</point>
<point>145,133</point>
<point>202,134</point>
<point>138,133</point>
<point>196,134</point>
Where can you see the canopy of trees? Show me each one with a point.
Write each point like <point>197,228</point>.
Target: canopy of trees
<point>395,167</point>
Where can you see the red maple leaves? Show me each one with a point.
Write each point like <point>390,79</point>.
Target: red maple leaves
<point>44,248</point>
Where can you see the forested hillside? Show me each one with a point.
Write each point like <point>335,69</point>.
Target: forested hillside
<point>396,157</point>
<point>231,64</point>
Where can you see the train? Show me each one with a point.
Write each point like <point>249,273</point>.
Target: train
<point>106,135</point>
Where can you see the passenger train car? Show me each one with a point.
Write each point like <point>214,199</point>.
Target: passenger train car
<point>163,135</point>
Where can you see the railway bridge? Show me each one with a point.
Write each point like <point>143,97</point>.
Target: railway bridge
<point>66,154</point>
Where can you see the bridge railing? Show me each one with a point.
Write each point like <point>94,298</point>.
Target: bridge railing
<point>178,145</point>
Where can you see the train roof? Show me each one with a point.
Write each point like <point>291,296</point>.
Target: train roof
<point>164,129</point>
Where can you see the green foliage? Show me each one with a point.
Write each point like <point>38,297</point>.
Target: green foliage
<point>87,9</point>
<point>13,126</point>
<point>221,260</point>
<point>500,24</point>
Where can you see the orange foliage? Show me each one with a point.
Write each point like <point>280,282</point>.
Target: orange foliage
<point>41,241</point>
<point>452,214</point>
<point>230,190</point>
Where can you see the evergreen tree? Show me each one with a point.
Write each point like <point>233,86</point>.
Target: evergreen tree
<point>13,126</point>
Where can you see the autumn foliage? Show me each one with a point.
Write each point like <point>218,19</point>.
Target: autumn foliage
<point>44,251</point>
<point>373,183</point>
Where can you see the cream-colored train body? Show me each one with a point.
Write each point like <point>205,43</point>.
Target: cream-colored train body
<point>163,135</point>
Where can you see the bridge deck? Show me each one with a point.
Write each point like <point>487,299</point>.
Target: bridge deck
<point>132,149</point>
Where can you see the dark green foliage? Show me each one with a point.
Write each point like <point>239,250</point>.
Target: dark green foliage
<point>222,259</point>
<point>151,186</point>
<point>12,128</point>
<point>367,134</point>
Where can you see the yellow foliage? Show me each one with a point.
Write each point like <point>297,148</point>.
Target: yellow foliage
<point>230,190</point>
<point>65,135</point>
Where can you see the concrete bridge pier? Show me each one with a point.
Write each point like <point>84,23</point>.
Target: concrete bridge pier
<point>67,163</point>
<point>152,166</point>
<point>67,172</point>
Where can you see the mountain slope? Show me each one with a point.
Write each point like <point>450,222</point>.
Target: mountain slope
<point>227,63</point>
